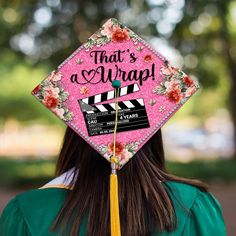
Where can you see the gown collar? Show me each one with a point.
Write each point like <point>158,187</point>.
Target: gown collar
<point>63,181</point>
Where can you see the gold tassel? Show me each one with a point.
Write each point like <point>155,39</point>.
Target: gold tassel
<point>114,195</point>
<point>114,206</point>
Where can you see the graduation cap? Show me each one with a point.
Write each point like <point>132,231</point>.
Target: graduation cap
<point>115,91</point>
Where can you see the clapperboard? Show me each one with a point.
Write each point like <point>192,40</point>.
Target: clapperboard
<point>100,118</point>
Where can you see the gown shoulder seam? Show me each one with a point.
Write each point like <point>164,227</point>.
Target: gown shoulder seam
<point>190,210</point>
<point>22,215</point>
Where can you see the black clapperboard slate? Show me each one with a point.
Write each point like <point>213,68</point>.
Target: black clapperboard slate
<point>100,119</point>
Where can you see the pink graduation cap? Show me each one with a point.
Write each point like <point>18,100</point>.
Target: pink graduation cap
<point>115,83</point>
<point>80,90</point>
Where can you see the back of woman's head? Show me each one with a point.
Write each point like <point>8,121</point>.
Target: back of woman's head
<point>145,205</point>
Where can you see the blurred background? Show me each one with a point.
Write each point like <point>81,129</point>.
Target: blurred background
<point>198,36</point>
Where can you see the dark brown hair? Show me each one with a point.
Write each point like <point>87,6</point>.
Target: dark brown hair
<point>145,205</point>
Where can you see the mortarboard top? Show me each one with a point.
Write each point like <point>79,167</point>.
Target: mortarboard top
<point>115,91</point>
<point>80,90</point>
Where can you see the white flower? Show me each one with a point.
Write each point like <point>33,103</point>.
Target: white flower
<point>59,112</point>
<point>107,29</point>
<point>55,92</point>
<point>57,76</point>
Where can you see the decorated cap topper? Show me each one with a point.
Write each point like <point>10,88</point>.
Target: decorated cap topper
<point>80,91</point>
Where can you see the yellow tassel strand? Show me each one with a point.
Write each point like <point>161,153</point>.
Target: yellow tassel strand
<point>114,206</point>
<point>114,199</point>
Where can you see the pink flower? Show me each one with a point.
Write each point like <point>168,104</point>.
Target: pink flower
<point>107,29</point>
<point>174,95</point>
<point>59,112</point>
<point>125,155</point>
<point>120,35</point>
<point>190,91</point>
<point>50,102</point>
<point>188,81</point>
<point>169,70</point>
<point>119,148</point>
<point>170,85</point>
<point>94,36</point>
<point>57,76</point>
<point>107,156</point>
<point>52,91</point>
<point>84,90</point>
<point>54,76</point>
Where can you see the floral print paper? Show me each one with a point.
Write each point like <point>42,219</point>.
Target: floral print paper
<point>52,95</point>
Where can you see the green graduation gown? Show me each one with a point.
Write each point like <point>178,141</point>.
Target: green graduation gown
<point>32,213</point>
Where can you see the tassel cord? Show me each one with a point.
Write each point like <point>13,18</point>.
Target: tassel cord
<point>114,199</point>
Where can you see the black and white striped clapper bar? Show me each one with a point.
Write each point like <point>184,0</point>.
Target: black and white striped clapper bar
<point>100,118</point>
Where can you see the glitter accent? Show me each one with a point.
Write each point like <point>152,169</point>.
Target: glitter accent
<point>79,61</point>
<point>162,109</point>
<point>152,102</point>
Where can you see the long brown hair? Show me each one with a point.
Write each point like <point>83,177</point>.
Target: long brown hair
<point>145,205</point>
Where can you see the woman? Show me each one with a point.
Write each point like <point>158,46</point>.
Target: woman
<point>152,201</point>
